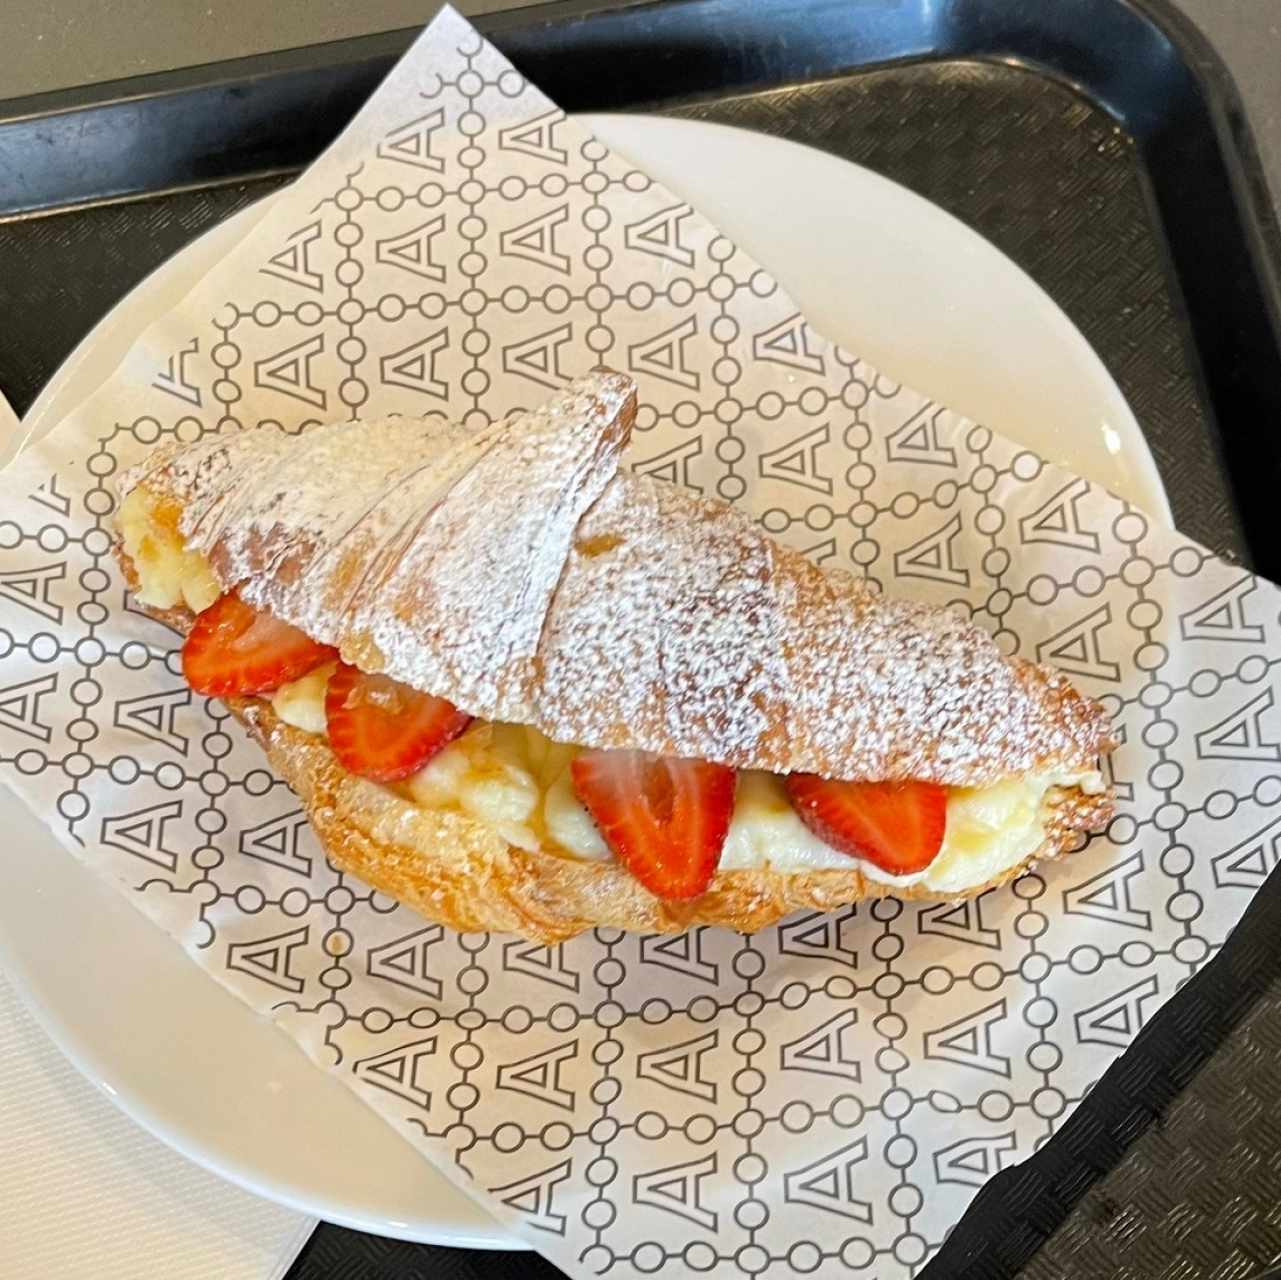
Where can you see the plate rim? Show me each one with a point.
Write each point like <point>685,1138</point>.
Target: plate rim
<point>165,1125</point>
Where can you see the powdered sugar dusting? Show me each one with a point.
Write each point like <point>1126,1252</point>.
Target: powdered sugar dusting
<point>695,634</point>
<point>428,551</point>
<point>518,573</point>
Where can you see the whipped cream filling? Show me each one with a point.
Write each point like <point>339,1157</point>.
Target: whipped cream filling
<point>517,781</point>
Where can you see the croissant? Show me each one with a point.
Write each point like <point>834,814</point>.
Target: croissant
<point>636,709</point>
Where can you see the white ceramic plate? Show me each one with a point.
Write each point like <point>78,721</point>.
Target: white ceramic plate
<point>876,268</point>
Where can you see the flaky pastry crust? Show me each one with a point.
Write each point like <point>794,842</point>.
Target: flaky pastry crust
<point>521,574</point>
<point>453,869</point>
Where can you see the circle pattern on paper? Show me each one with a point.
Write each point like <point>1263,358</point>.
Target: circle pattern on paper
<point>635,1104</point>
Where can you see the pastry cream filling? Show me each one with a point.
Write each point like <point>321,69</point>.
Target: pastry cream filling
<point>168,574</point>
<point>517,781</point>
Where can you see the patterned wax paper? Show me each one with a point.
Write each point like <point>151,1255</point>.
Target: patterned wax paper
<point>829,1093</point>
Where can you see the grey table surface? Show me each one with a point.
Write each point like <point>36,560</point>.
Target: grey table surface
<point>56,44</point>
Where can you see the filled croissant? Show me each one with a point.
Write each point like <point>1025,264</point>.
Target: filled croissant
<point>522,689</point>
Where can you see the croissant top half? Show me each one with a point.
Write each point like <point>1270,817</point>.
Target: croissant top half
<point>518,572</point>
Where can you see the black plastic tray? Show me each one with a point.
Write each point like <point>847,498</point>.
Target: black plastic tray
<point>1102,146</point>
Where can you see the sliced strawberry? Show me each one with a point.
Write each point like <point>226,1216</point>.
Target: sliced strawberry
<point>233,648</point>
<point>664,818</point>
<point>384,730</point>
<point>897,826</point>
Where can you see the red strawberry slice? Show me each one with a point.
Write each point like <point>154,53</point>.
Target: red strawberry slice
<point>233,648</point>
<point>384,730</point>
<point>897,826</point>
<point>665,818</point>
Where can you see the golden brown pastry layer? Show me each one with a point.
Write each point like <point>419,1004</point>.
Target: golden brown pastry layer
<point>453,869</point>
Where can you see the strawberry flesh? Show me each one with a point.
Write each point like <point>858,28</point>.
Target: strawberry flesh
<point>233,648</point>
<point>665,818</point>
<point>896,826</point>
<point>382,729</point>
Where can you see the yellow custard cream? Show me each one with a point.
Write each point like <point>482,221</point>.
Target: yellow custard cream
<point>517,781</point>
<point>169,575</point>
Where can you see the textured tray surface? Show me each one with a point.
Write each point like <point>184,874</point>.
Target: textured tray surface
<point>1049,179</point>
<point>1052,182</point>
<point>63,271</point>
